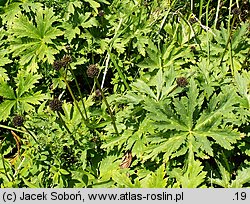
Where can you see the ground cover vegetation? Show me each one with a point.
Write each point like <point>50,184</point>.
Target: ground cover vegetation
<point>132,93</point>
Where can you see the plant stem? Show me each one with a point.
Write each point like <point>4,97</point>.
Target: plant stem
<point>11,128</point>
<point>217,14</point>
<point>200,11</point>
<point>119,70</point>
<point>73,97</point>
<point>78,88</point>
<point>228,40</point>
<point>4,167</point>
<point>58,113</point>
<point>108,106</point>
<point>208,41</point>
<point>191,27</point>
<point>31,134</point>
<point>75,141</point>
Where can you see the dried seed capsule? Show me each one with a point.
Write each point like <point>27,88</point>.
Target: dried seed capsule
<point>18,120</point>
<point>236,11</point>
<point>193,48</point>
<point>101,13</point>
<point>68,48</point>
<point>192,20</point>
<point>98,93</point>
<point>92,71</point>
<point>57,65</point>
<point>66,60</point>
<point>182,81</point>
<point>55,105</point>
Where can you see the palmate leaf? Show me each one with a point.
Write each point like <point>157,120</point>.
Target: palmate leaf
<point>3,75</point>
<point>186,106</point>
<point>158,86</point>
<point>108,165</point>
<point>32,39</point>
<point>243,83</point>
<point>169,55</point>
<point>155,179</point>
<point>122,180</point>
<point>142,87</point>
<point>168,146</point>
<point>225,177</point>
<point>165,118</point>
<point>194,176</point>
<point>154,59</point>
<point>6,91</point>
<point>225,138</point>
<point>243,177</point>
<point>27,100</point>
<point>25,83</point>
<point>189,122</point>
<point>23,98</point>
<point>219,105</point>
<point>5,109</point>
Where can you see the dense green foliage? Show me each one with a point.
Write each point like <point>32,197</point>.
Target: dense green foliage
<point>83,83</point>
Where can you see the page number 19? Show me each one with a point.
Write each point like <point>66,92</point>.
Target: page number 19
<point>240,196</point>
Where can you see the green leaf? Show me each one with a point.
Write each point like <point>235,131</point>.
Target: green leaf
<point>217,106</point>
<point>95,5</point>
<point>192,176</point>
<point>115,140</point>
<point>107,167</point>
<point>5,108</point>
<point>155,179</point>
<point>158,81</point>
<point>225,177</point>
<point>32,40</point>
<point>6,91</point>
<point>26,82</point>
<point>122,179</point>
<point>224,138</point>
<point>165,118</point>
<point>29,184</point>
<point>3,75</point>
<point>64,172</point>
<point>242,83</point>
<point>243,177</point>
<point>203,143</point>
<point>168,146</point>
<point>25,95</point>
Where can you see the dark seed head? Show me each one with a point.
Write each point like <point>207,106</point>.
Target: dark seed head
<point>18,120</point>
<point>68,156</point>
<point>98,93</point>
<point>94,139</point>
<point>68,48</point>
<point>145,3</point>
<point>192,20</point>
<point>55,105</point>
<point>101,13</point>
<point>57,65</point>
<point>182,81</point>
<point>92,71</point>
<point>193,49</point>
<point>66,60</point>
<point>65,149</point>
<point>236,11</point>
